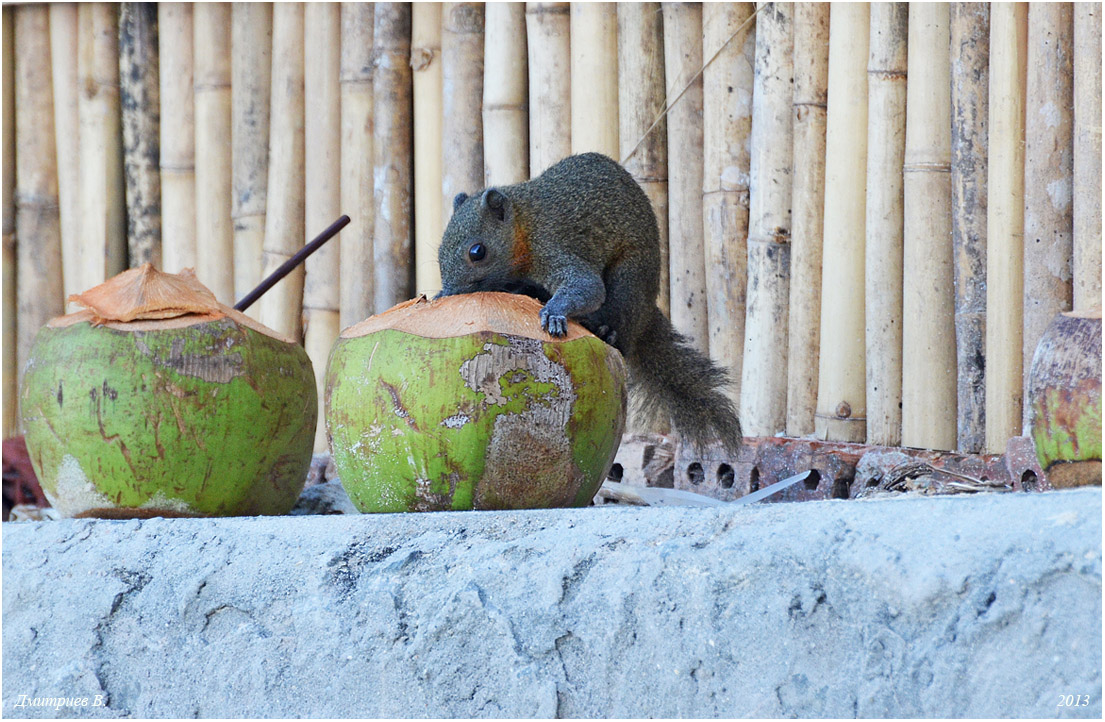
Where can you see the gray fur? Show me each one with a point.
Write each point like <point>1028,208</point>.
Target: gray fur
<point>594,256</point>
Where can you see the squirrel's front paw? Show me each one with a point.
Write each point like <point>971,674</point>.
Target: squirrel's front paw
<point>553,324</point>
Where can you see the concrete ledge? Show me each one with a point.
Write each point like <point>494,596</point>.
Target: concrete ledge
<point>984,606</point>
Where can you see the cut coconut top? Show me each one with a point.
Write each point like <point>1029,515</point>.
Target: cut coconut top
<point>464,314</point>
<point>146,299</point>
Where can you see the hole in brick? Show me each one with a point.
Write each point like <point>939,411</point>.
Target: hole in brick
<point>754,479</point>
<point>725,476</point>
<point>649,452</point>
<point>840,489</point>
<point>1029,480</point>
<point>812,480</point>
<point>694,471</point>
<point>616,473</point>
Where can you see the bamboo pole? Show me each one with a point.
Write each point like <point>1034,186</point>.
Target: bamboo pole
<point>593,38</point>
<point>393,164</point>
<point>641,95</point>
<point>1005,223</point>
<point>250,86</point>
<point>178,138</point>
<point>1048,173</point>
<point>550,110</point>
<point>37,223</point>
<point>686,262</point>
<point>322,200</point>
<point>284,227</point>
<point>726,126</point>
<point>63,63</point>
<point>356,161</point>
<point>764,373</point>
<point>886,121</point>
<point>1087,155</point>
<point>462,41</point>
<point>11,382</point>
<point>928,299</point>
<point>841,384</point>
<point>505,90</point>
<point>214,179</point>
<point>970,63</point>
<point>811,89</point>
<point>141,106</point>
<point>431,208</point>
<point>103,218</point>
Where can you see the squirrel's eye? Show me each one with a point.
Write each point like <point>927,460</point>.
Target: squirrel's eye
<point>476,252</point>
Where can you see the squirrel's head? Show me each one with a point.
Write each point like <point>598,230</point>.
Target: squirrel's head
<point>482,248</point>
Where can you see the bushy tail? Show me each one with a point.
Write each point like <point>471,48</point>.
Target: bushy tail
<point>669,377</point>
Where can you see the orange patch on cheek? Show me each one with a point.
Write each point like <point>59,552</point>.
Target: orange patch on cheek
<point>520,258</point>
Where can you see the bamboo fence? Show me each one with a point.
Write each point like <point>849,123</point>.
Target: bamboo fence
<point>928,295</point>
<point>393,159</point>
<point>763,400</point>
<point>462,42</point>
<point>686,261</point>
<point>250,88</point>
<point>356,162</point>
<point>178,139</point>
<point>970,55</point>
<point>862,275</point>
<point>434,210</point>
<point>141,109</point>
<point>322,196</point>
<point>726,126</point>
<point>1048,172</point>
<point>593,37</point>
<point>63,65</point>
<point>37,222</point>
<point>505,96</point>
<point>1087,155</point>
<point>642,125</point>
<point>103,215</point>
<point>1005,223</point>
<point>284,224</point>
<point>841,385</point>
<point>886,121</point>
<point>214,178</point>
<point>10,380</point>
<point>811,89</point>
<point>549,57</point>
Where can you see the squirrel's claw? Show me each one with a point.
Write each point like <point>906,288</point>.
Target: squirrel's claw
<point>606,334</point>
<point>553,324</point>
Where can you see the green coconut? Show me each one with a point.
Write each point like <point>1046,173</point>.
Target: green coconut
<point>160,401</point>
<point>465,403</point>
<point>1064,397</point>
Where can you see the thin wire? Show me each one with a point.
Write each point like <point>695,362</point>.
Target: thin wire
<point>668,106</point>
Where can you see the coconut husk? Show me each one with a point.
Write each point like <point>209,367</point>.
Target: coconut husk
<point>465,314</point>
<point>146,293</point>
<point>146,299</point>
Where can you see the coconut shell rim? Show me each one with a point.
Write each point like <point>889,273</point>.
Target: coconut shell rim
<point>182,321</point>
<point>463,315</point>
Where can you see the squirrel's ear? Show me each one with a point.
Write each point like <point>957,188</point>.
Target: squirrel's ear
<point>458,200</point>
<point>494,201</point>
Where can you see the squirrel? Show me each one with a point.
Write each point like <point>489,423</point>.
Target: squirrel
<point>583,239</point>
